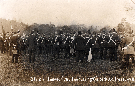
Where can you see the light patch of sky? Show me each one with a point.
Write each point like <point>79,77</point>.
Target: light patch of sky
<point>89,12</point>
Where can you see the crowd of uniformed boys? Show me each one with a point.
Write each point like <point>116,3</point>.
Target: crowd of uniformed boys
<point>103,45</point>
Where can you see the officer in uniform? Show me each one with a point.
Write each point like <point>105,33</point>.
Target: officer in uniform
<point>94,46</point>
<point>79,44</point>
<point>59,44</point>
<point>87,37</point>
<point>103,40</point>
<point>67,46</point>
<point>52,40</point>
<point>113,43</point>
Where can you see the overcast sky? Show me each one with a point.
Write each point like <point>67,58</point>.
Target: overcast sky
<point>88,12</point>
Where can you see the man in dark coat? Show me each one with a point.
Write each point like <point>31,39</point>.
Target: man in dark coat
<point>79,44</point>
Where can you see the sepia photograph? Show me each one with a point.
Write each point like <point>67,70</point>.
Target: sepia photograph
<point>67,42</point>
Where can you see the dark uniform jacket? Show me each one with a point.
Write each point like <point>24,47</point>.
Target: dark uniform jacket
<point>114,40</point>
<point>95,42</point>
<point>79,43</point>
<point>103,40</point>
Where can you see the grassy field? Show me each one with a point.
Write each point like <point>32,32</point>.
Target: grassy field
<point>47,71</point>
